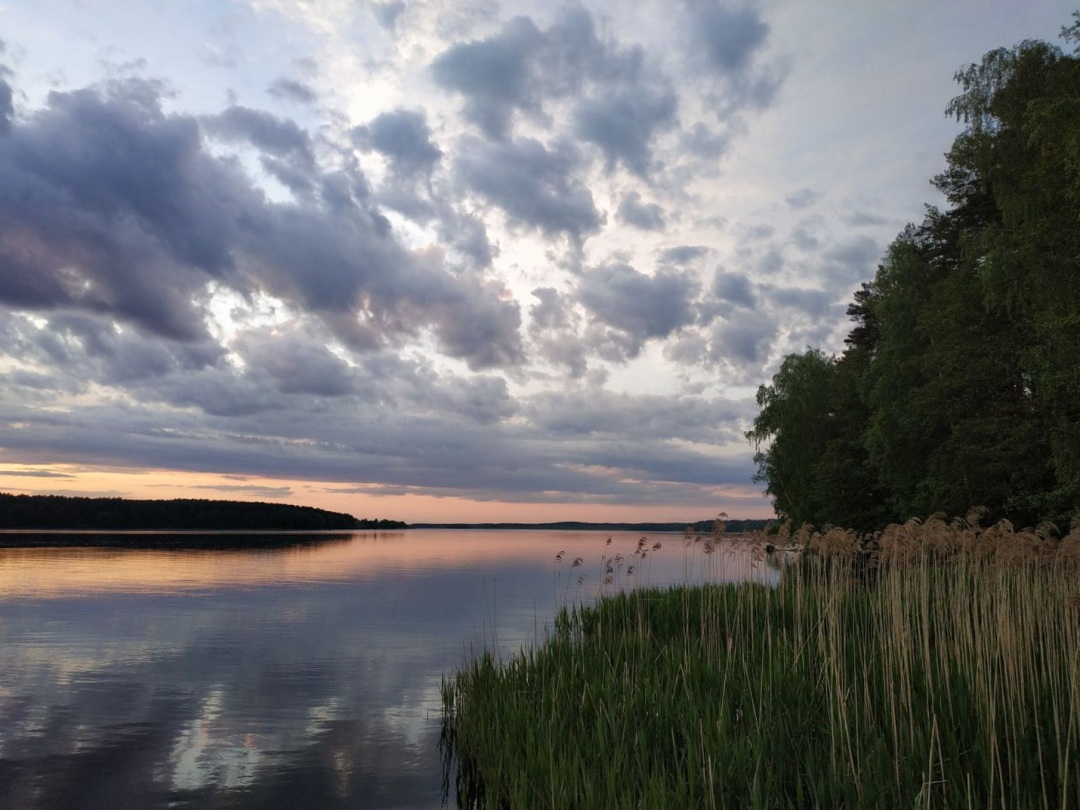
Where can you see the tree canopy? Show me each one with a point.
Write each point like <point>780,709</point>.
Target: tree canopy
<point>960,382</point>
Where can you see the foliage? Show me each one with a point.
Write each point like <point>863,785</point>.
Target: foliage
<point>948,679</point>
<point>960,382</point>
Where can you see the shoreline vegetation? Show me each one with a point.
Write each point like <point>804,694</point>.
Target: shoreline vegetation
<point>930,664</point>
<point>699,526</point>
<point>51,515</point>
<point>65,513</point>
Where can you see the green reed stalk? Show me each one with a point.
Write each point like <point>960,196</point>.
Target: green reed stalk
<point>946,679</point>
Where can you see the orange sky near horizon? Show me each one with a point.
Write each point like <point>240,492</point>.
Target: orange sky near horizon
<point>58,479</point>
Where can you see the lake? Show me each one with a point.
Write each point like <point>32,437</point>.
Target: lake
<point>296,677</point>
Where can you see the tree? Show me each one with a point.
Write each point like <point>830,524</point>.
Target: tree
<point>960,382</point>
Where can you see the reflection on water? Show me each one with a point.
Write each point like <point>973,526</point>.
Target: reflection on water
<point>286,678</point>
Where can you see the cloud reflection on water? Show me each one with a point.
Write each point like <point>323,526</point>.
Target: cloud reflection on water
<point>297,678</point>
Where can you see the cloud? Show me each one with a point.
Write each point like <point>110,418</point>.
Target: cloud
<point>860,218</point>
<point>729,36</point>
<point>804,237</point>
<point>704,142</point>
<point>280,292</point>
<point>803,198</point>
<point>618,102</point>
<point>646,216</point>
<point>639,306</point>
<point>689,347</point>
<point>248,489</point>
<point>683,254</point>
<point>744,343</point>
<point>388,14</point>
<point>468,235</point>
<point>294,362</point>
<point>623,124</point>
<point>554,330</point>
<point>286,89</point>
<point>34,474</point>
<point>593,413</point>
<point>818,304</point>
<point>7,107</point>
<point>494,75</point>
<point>853,260</point>
<point>404,138</point>
<point>279,137</point>
<point>734,288</point>
<point>534,185</point>
<point>111,206</point>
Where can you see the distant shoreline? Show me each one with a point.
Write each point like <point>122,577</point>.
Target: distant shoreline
<point>166,540</point>
<point>697,527</point>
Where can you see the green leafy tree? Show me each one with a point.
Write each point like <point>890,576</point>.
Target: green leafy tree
<point>960,382</point>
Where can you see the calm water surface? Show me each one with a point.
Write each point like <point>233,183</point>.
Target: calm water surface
<point>288,678</point>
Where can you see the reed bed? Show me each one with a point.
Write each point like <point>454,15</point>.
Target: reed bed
<point>936,664</point>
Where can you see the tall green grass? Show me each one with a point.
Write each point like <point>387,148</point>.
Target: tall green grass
<point>940,667</point>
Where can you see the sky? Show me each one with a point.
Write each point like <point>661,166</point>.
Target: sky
<point>468,260</point>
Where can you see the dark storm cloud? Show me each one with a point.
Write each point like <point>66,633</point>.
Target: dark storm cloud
<point>646,216</point>
<point>404,138</point>
<point>111,206</point>
<point>638,305</point>
<point>286,89</point>
<point>494,75</point>
<point>534,185</point>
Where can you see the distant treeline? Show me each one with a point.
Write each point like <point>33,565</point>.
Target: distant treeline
<point>61,512</point>
<point>960,383</point>
<point>698,527</point>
